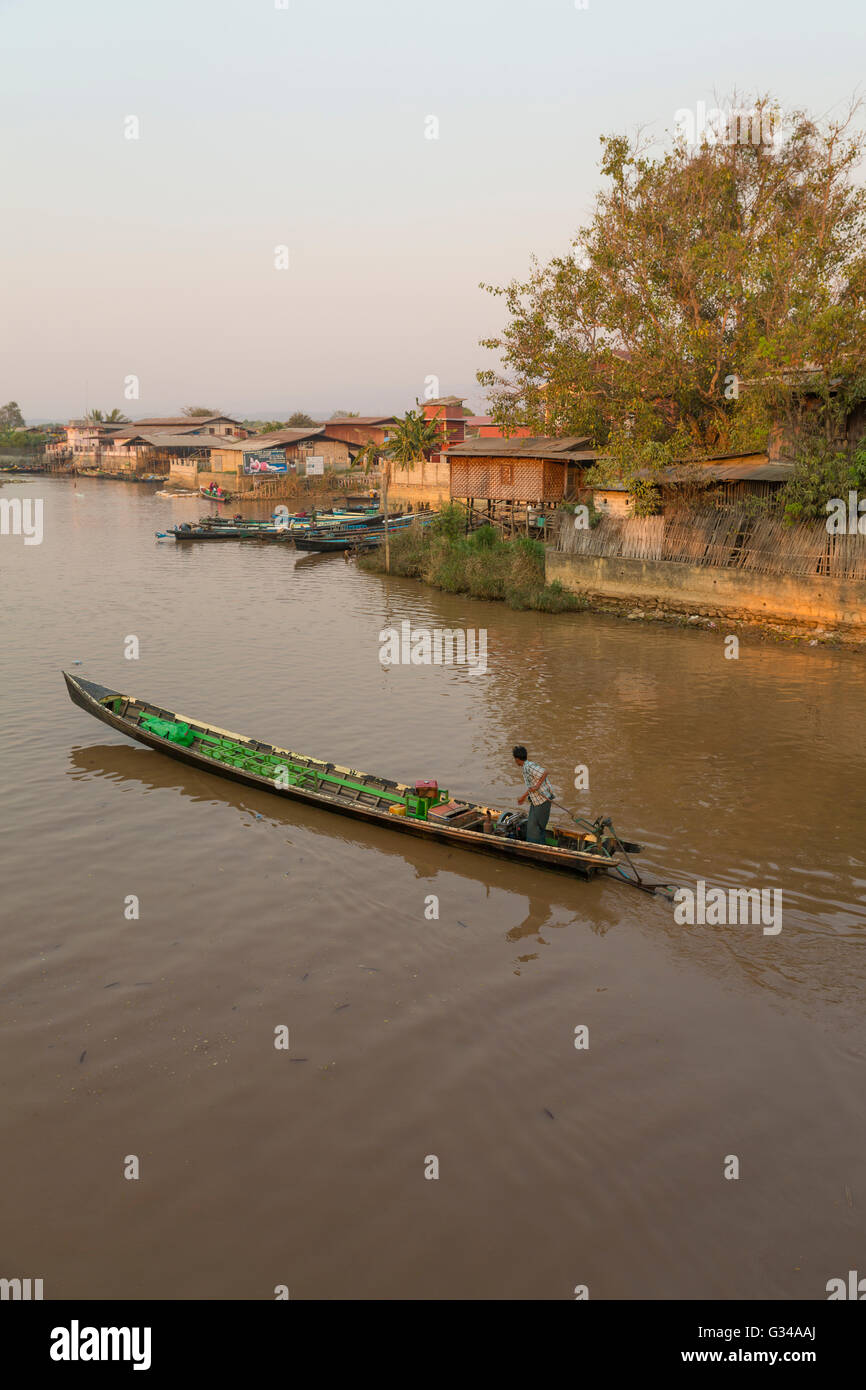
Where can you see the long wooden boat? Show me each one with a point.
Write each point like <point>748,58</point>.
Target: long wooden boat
<point>341,538</point>
<point>299,521</point>
<point>266,531</point>
<point>325,521</point>
<point>336,543</point>
<point>413,810</point>
<point>215,496</point>
<point>187,532</point>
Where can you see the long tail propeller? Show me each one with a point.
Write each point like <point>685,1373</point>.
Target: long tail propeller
<point>597,828</point>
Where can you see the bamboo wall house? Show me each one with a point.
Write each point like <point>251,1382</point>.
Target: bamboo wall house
<point>538,470</point>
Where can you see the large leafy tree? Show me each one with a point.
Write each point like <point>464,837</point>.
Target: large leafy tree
<point>711,282</point>
<point>198,412</point>
<point>11,417</point>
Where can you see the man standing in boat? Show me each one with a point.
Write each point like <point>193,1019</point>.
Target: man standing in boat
<point>540,793</point>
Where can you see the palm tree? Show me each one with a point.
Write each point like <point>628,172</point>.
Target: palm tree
<point>413,438</point>
<point>114,417</point>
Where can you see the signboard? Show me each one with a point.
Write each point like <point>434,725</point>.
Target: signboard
<point>265,461</point>
<point>315,464</point>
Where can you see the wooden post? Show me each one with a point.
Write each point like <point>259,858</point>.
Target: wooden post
<point>386,469</point>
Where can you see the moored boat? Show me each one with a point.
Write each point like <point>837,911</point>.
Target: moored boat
<point>421,809</point>
<point>188,532</point>
<point>336,544</point>
<point>341,539</point>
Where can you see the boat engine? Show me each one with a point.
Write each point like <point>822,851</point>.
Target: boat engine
<point>512,824</point>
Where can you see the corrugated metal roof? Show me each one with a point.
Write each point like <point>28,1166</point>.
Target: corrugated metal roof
<point>97,425</point>
<point>163,440</point>
<point>271,441</point>
<point>192,422</point>
<point>778,472</point>
<point>727,470</point>
<point>362,420</point>
<point>568,449</point>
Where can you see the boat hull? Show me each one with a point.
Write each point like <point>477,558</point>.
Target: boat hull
<point>90,695</point>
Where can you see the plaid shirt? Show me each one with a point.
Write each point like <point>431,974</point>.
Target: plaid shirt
<point>531,773</point>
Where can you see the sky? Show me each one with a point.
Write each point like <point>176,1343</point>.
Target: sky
<point>157,153</point>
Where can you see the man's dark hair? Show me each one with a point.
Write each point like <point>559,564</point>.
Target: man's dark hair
<point>518,751</point>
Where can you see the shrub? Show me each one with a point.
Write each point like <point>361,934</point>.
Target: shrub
<point>481,564</point>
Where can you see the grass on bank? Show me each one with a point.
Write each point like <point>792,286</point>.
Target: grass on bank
<point>481,563</point>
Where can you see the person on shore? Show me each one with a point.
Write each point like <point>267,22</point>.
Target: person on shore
<point>539,792</point>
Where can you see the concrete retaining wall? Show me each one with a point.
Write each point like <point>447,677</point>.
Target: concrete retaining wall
<point>701,589</point>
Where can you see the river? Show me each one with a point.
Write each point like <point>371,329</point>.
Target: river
<point>411,1037</point>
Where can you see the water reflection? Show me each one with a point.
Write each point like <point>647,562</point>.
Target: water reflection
<point>549,896</point>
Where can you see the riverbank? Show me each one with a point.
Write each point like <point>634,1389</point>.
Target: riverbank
<point>754,629</point>
<point>790,607</point>
<point>480,564</point>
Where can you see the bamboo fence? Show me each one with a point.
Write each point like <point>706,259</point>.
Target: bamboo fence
<point>724,537</point>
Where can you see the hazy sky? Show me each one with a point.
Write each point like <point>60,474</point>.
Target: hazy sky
<point>304,127</point>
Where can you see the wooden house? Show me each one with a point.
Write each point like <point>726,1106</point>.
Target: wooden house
<point>248,462</point>
<point>726,480</point>
<point>223,426</point>
<point>358,430</point>
<point>523,469</point>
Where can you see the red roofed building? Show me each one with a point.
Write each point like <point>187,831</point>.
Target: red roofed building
<point>484,427</point>
<point>447,411</point>
<point>361,429</point>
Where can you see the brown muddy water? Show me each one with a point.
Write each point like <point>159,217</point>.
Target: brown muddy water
<point>411,1037</point>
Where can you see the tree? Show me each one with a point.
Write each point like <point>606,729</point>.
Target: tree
<point>11,417</point>
<point>267,426</point>
<point>113,417</point>
<point>344,415</point>
<point>822,469</point>
<point>299,419</point>
<point>199,411</point>
<point>413,438</point>
<point>368,457</point>
<point>709,283</point>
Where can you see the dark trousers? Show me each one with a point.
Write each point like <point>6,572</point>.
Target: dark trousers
<point>537,823</point>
